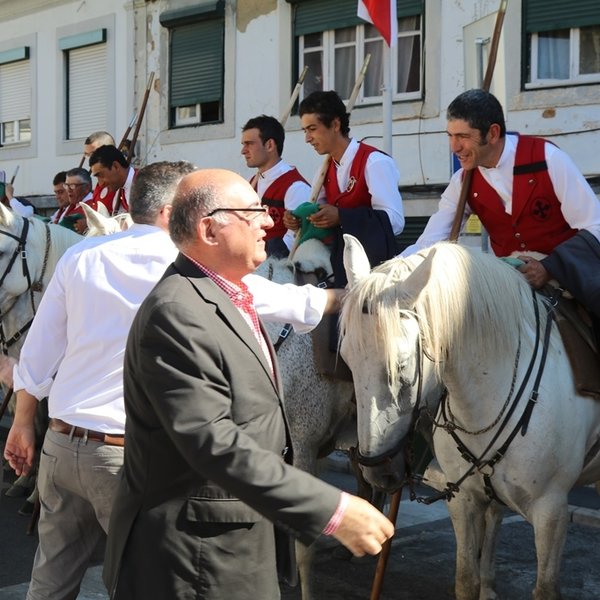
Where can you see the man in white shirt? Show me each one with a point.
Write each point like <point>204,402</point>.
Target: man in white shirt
<point>360,193</point>
<point>84,318</point>
<point>279,185</point>
<point>527,193</point>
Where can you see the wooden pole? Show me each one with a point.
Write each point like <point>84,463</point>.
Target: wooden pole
<point>140,118</point>
<point>12,179</point>
<point>295,93</point>
<point>385,551</point>
<point>318,183</point>
<point>349,106</point>
<point>487,80</point>
<point>127,132</point>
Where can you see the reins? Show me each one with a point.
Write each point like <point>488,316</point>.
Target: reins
<point>478,463</point>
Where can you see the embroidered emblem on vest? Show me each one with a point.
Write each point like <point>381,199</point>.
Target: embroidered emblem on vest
<point>540,210</point>
<point>351,184</point>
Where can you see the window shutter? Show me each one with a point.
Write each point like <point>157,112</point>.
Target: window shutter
<point>87,93</point>
<point>15,83</point>
<point>196,61</point>
<point>549,15</point>
<point>312,16</point>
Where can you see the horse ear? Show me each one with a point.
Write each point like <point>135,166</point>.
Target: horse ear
<point>356,261</point>
<point>98,224</point>
<point>413,285</point>
<point>7,216</point>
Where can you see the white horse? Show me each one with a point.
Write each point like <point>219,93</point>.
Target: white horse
<point>29,251</point>
<point>320,410</point>
<point>512,407</point>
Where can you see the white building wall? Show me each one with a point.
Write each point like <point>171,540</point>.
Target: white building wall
<point>258,58</point>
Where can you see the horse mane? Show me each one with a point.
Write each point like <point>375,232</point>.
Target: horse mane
<point>471,302</point>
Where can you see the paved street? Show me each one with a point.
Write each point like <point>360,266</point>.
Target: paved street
<point>421,565</point>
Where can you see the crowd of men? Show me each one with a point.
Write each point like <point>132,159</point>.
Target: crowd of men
<point>167,427</point>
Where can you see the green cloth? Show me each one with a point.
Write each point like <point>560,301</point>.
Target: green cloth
<point>307,229</point>
<point>513,262</point>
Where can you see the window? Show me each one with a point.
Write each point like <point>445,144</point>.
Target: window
<point>562,44</point>
<point>86,74</point>
<point>196,55</point>
<point>333,42</point>
<point>15,100</point>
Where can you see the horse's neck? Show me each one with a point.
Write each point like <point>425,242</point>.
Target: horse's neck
<point>478,386</point>
<point>60,240</point>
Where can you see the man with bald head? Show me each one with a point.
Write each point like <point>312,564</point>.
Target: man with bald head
<point>208,462</point>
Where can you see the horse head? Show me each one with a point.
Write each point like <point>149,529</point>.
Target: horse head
<point>381,343</point>
<point>311,262</point>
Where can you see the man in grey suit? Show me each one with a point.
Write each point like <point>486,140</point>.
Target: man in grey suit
<point>207,460</point>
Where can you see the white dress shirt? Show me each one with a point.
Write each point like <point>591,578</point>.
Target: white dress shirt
<point>382,177</point>
<point>579,205</point>
<point>74,350</point>
<point>296,194</point>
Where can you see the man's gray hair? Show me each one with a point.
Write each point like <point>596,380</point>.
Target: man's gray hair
<point>154,187</point>
<point>189,207</point>
<point>83,175</point>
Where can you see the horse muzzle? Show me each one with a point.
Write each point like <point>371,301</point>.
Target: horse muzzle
<point>385,472</point>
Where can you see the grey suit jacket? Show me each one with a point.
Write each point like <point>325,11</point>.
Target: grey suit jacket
<point>204,441</point>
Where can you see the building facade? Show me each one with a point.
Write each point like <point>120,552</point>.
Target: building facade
<point>71,67</point>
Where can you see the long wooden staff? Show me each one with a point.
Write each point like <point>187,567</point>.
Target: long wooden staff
<point>318,184</point>
<point>295,93</point>
<point>140,118</point>
<point>123,141</point>
<point>385,550</point>
<point>286,113</point>
<point>12,179</point>
<point>487,80</point>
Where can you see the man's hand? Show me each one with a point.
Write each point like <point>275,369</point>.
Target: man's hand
<point>20,443</point>
<point>334,300</point>
<point>363,529</point>
<point>327,216</point>
<point>81,226</point>
<point>290,221</point>
<point>534,272</point>
<point>20,448</point>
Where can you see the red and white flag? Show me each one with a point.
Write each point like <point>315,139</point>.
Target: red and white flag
<point>382,14</point>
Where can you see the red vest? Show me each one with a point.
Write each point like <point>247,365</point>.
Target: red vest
<point>357,192</point>
<point>536,223</point>
<point>274,198</point>
<point>105,195</point>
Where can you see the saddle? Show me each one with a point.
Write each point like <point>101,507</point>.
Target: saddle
<point>576,328</point>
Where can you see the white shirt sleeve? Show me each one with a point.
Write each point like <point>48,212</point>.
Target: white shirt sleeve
<point>440,223</point>
<point>302,306</point>
<point>21,209</point>
<point>46,342</point>
<point>383,179</point>
<point>579,205</point>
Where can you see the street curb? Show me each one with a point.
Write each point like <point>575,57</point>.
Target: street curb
<point>589,517</point>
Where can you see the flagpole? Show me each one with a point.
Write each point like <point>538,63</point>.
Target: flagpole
<point>387,99</point>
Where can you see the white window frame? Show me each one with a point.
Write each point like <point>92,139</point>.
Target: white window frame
<point>18,76</point>
<point>575,78</point>
<point>328,48</point>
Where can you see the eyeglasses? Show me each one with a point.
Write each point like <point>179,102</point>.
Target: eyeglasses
<point>72,186</point>
<point>256,210</point>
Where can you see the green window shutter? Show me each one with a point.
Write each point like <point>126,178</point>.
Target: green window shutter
<point>409,8</point>
<point>197,52</point>
<point>549,15</point>
<point>312,16</point>
<point>413,228</point>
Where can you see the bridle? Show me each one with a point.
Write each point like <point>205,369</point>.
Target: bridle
<point>20,252</point>
<point>477,463</point>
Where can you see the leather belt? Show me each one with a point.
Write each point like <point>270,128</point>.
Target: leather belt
<point>110,439</point>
